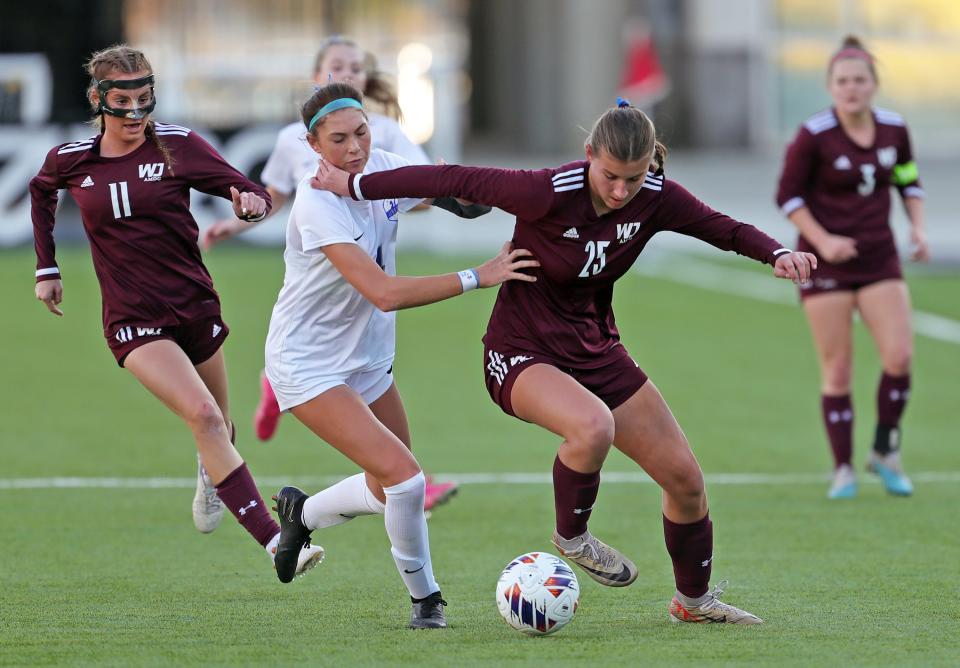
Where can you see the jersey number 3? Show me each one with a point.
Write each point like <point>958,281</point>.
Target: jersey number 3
<point>869,173</point>
<point>119,197</point>
<point>596,258</point>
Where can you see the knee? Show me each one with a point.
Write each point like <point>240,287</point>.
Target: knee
<point>204,416</point>
<point>406,474</point>
<point>686,487</point>
<point>898,361</point>
<point>836,375</point>
<point>594,432</point>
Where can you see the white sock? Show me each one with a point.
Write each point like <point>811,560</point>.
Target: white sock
<point>407,529</point>
<point>340,503</point>
<point>271,547</point>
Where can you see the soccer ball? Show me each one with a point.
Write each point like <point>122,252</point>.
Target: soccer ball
<point>537,593</point>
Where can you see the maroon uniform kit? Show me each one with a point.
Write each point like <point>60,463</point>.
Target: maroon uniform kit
<point>846,187</point>
<point>566,318</point>
<point>143,239</point>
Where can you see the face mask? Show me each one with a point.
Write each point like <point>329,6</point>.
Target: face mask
<point>135,112</point>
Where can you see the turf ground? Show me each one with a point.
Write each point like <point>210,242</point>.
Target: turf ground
<point>119,576</point>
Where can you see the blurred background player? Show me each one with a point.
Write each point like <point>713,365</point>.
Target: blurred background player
<point>553,354</point>
<point>340,59</point>
<point>835,187</point>
<point>161,314</point>
<point>332,341</point>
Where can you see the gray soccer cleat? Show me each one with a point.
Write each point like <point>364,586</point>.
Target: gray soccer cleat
<point>711,611</point>
<point>603,563</point>
<point>207,506</point>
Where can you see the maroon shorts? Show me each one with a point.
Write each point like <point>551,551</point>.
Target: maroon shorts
<point>199,339</point>
<point>853,275</point>
<point>613,383</point>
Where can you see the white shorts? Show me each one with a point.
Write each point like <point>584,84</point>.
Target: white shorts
<point>370,385</point>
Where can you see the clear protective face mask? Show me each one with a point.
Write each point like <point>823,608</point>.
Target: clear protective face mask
<point>134,112</point>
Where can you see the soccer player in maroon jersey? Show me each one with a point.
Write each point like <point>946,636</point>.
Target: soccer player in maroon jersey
<point>553,353</point>
<point>835,187</point>
<point>161,314</point>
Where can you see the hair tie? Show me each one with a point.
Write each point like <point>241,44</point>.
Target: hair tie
<point>622,102</point>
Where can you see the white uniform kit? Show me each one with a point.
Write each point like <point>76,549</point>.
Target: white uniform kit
<point>323,332</point>
<point>292,156</point>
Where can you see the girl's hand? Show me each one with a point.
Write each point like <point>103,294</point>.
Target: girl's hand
<point>221,231</point>
<point>331,178</point>
<point>51,294</point>
<point>837,249</point>
<point>505,267</point>
<point>795,266</point>
<point>921,251</point>
<point>248,206</point>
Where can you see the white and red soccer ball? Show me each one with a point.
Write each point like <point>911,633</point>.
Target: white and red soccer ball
<point>537,593</point>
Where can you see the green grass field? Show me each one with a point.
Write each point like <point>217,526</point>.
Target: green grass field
<point>120,576</point>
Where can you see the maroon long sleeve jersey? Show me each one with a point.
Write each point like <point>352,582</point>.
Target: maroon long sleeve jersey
<point>136,213</point>
<point>566,314</point>
<point>846,186</point>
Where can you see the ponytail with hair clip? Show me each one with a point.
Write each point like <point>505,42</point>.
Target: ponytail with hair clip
<point>622,102</point>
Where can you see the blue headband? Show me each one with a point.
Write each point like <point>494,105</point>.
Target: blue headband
<point>330,107</point>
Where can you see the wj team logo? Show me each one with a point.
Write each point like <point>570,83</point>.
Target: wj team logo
<point>390,209</point>
<point>152,171</point>
<point>626,231</point>
<point>499,365</point>
<point>125,334</point>
<point>887,156</point>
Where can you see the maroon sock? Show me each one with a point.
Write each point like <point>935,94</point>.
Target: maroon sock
<point>691,548</point>
<point>892,395</point>
<point>240,494</point>
<point>838,419</point>
<point>573,494</point>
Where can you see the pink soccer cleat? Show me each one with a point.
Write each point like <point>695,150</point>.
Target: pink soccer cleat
<point>437,493</point>
<point>268,411</point>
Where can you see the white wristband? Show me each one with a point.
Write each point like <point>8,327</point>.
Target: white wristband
<point>469,279</point>
<point>781,251</point>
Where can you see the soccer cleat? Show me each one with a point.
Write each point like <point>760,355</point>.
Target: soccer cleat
<point>601,562</point>
<point>267,415</point>
<point>438,493</point>
<point>289,558</point>
<point>844,485</point>
<point>710,611</point>
<point>427,613</point>
<point>890,470</point>
<point>207,506</point>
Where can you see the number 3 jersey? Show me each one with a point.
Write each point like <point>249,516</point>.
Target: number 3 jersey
<point>136,213</point>
<point>847,186</point>
<point>566,314</point>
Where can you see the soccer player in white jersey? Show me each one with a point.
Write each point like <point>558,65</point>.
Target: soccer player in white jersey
<point>331,343</point>
<point>340,59</point>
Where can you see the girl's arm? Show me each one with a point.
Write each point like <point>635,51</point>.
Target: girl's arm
<point>392,293</point>
<point>44,195</point>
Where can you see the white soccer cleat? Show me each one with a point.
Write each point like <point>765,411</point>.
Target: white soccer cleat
<point>844,485</point>
<point>310,556</point>
<point>207,506</point>
<point>711,611</point>
<point>603,563</point>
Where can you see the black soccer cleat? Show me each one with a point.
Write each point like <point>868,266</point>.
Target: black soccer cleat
<point>293,534</point>
<point>427,612</point>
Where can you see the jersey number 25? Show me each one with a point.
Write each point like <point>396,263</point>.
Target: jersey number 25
<point>596,258</point>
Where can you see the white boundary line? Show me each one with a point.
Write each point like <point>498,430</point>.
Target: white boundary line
<point>689,270</point>
<point>613,477</point>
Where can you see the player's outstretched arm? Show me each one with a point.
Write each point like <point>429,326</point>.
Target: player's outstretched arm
<point>51,294</point>
<point>392,293</point>
<point>795,266</point>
